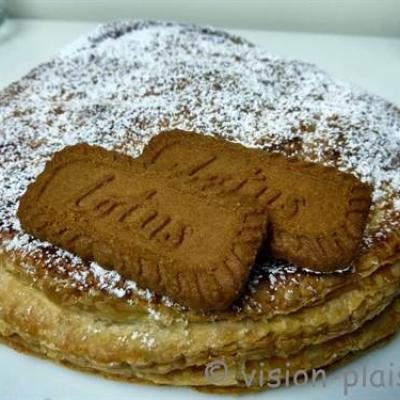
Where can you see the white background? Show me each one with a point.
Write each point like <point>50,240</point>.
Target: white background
<point>366,17</point>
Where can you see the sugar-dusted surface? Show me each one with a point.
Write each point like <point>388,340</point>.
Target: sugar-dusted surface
<point>127,81</point>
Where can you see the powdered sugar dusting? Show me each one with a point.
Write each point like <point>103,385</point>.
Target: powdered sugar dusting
<point>129,80</point>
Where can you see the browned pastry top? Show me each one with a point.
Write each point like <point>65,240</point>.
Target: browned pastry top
<point>104,206</point>
<point>127,81</point>
<point>318,214</point>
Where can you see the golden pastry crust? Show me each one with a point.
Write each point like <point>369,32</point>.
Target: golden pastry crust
<point>156,346</point>
<point>318,214</point>
<point>118,88</point>
<point>104,206</point>
<point>311,358</point>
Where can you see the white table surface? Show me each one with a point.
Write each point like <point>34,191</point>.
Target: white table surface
<point>373,63</point>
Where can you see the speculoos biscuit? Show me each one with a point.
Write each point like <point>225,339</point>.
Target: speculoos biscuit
<point>317,213</point>
<point>106,207</point>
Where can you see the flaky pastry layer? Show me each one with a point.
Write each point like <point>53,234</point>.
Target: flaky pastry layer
<point>151,346</point>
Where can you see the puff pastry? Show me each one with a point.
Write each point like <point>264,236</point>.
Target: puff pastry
<point>117,88</point>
